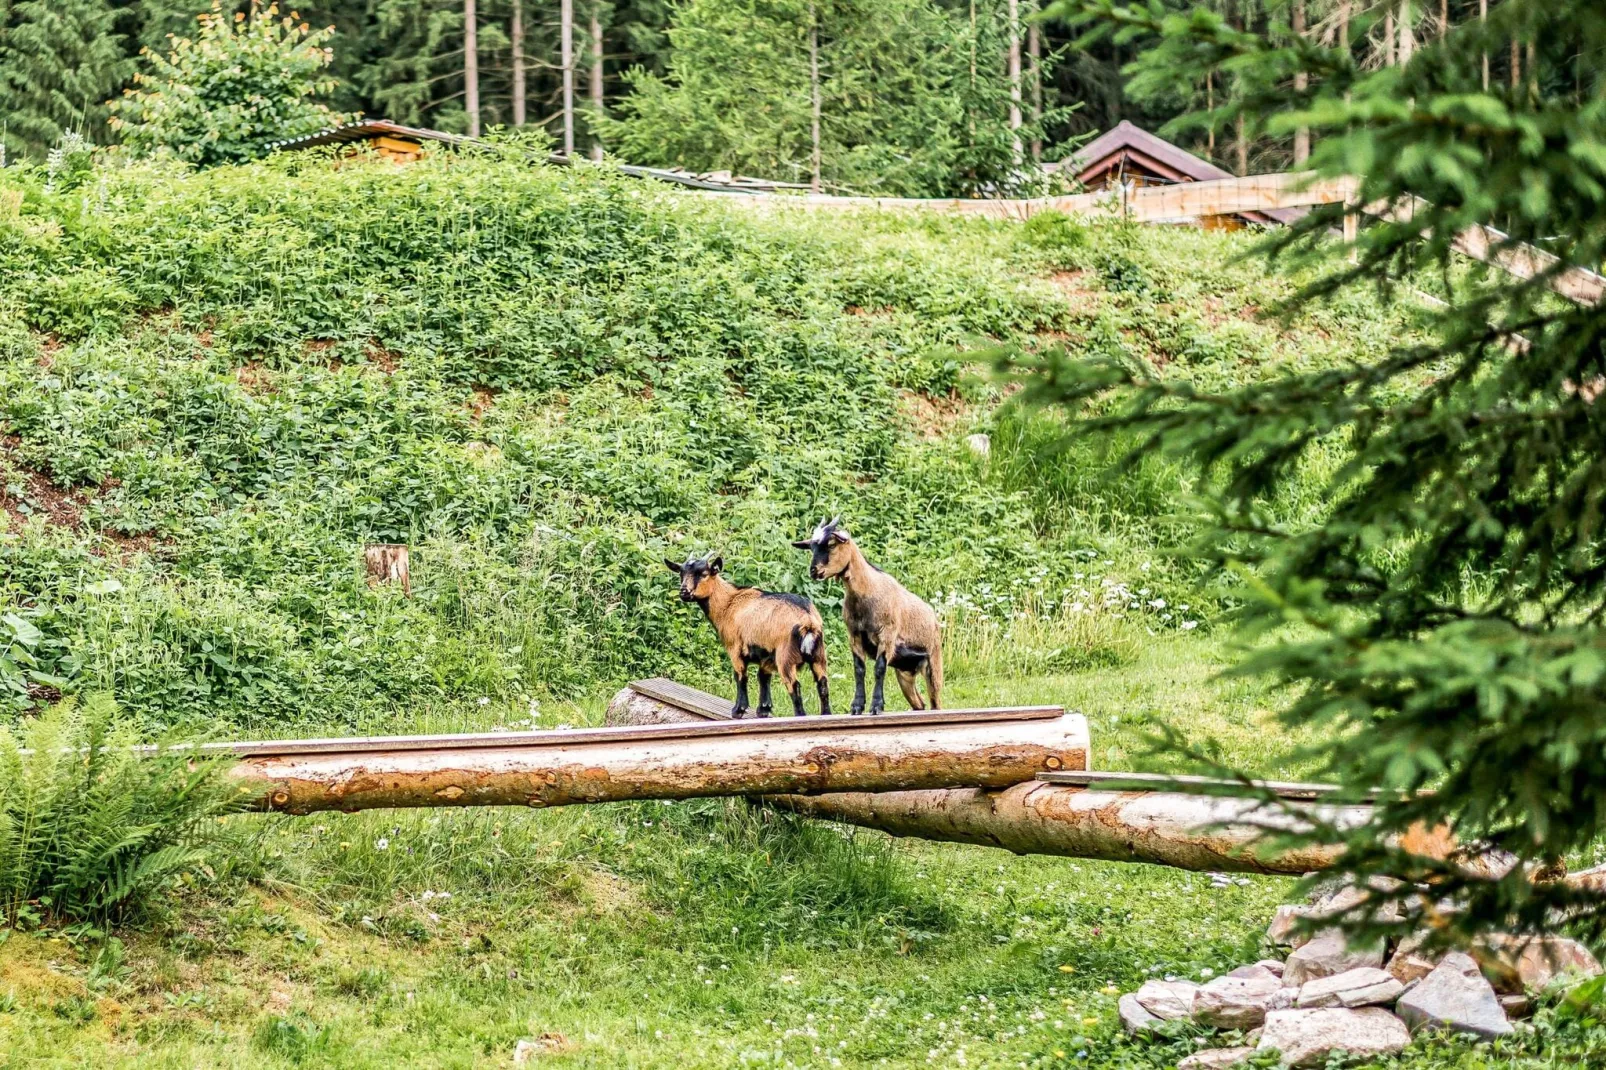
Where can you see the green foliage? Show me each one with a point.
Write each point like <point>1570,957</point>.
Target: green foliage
<point>89,827</point>
<point>59,61</point>
<point>899,106</point>
<point>240,85</point>
<point>1449,595</point>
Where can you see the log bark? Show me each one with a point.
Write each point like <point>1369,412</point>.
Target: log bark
<point>1197,832</point>
<point>1166,828</point>
<point>663,761</point>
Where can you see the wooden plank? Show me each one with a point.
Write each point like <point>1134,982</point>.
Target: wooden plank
<point>714,708</point>
<point>639,733</point>
<point>1119,781</point>
<point>1525,261</point>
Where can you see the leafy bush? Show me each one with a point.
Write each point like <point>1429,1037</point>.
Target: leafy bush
<point>90,827</point>
<point>239,86</point>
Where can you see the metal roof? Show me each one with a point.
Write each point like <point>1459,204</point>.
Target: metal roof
<point>368,129</point>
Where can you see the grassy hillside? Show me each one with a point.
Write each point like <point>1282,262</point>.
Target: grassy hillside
<point>215,388</point>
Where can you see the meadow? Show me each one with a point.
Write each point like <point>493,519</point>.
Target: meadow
<point>216,387</point>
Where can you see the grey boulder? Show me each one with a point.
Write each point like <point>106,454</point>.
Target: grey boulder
<point>1329,953</point>
<point>1363,987</point>
<point>1236,1002</point>
<point>1455,997</point>
<point>1308,1037</point>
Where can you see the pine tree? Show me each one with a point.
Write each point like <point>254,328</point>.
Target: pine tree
<point>59,62</point>
<point>1443,621</point>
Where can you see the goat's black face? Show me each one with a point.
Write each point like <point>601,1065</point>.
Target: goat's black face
<point>828,550</point>
<point>695,575</point>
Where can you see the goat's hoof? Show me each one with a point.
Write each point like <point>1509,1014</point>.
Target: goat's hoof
<point>875,711</point>
<point>855,711</point>
<point>764,711</point>
<point>739,712</point>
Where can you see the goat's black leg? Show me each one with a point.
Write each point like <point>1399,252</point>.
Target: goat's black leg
<point>878,701</point>
<point>794,687</point>
<point>824,691</point>
<point>765,707</point>
<point>858,686</point>
<point>740,709</point>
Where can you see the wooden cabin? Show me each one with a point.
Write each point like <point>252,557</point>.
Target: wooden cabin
<point>1129,155</point>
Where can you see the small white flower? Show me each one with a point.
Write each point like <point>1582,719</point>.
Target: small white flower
<point>1157,603</point>
<point>484,701</point>
<point>1189,625</point>
<point>382,844</point>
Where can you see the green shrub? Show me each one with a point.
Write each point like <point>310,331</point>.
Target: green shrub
<point>89,827</point>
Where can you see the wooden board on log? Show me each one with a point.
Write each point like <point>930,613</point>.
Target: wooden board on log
<point>714,708</point>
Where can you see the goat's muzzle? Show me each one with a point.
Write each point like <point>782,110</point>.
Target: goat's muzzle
<point>687,596</point>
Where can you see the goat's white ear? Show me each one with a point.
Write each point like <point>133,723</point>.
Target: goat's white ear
<point>717,565</point>
<point>672,566</point>
<point>839,536</point>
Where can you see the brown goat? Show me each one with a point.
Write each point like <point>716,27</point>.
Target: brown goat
<point>886,624</point>
<point>780,633</point>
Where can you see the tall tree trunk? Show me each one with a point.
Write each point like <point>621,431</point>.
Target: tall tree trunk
<point>1483,16</point>
<point>1301,83</point>
<point>1012,7</point>
<point>517,33</point>
<point>1034,59</point>
<point>1388,37</point>
<point>1516,64</point>
<point>1444,18</point>
<point>814,100</point>
<point>1407,37</point>
<point>566,52</point>
<point>1533,71</point>
<point>471,66</point>
<point>1240,145</point>
<point>596,77</point>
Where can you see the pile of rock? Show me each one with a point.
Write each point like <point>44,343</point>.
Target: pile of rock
<point>1331,996</point>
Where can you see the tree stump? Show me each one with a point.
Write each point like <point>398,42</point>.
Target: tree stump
<point>387,563</point>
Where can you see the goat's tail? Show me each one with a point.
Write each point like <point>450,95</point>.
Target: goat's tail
<point>808,642</point>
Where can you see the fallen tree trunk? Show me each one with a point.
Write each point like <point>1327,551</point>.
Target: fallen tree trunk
<point>1199,832</point>
<point>663,761</point>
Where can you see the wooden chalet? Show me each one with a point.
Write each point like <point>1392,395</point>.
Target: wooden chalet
<point>1128,155</point>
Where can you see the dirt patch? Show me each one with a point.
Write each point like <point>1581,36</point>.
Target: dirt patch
<point>932,417</point>
<point>39,496</point>
<point>870,313</point>
<point>254,378</point>
<point>1079,287</point>
<point>49,346</point>
<point>480,401</point>
<point>384,359</point>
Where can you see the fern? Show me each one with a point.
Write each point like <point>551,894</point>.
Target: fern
<point>90,826</point>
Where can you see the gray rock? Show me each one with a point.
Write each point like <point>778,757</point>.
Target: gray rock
<point>1282,1000</point>
<point>1212,1058</point>
<point>1456,997</point>
<point>1134,1019</point>
<point>980,445</point>
<point>1350,896</point>
<point>1167,1000</point>
<point>1410,963</point>
<point>1235,1002</point>
<point>1284,928</point>
<point>1516,964</point>
<point>1274,966</point>
<point>1516,1005</point>
<point>1306,1038</point>
<point>1255,969</point>
<point>1329,953</point>
<point>1364,987</point>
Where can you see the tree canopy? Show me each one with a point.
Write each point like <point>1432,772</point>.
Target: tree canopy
<point>1442,615</point>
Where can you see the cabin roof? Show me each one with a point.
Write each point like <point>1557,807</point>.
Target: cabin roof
<point>1128,147</point>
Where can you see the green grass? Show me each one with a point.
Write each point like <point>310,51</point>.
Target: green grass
<point>215,388</point>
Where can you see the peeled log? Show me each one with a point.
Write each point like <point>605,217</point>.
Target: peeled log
<point>663,761</point>
<point>1198,832</point>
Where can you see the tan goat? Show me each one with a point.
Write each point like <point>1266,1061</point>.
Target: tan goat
<point>779,633</point>
<point>886,624</point>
